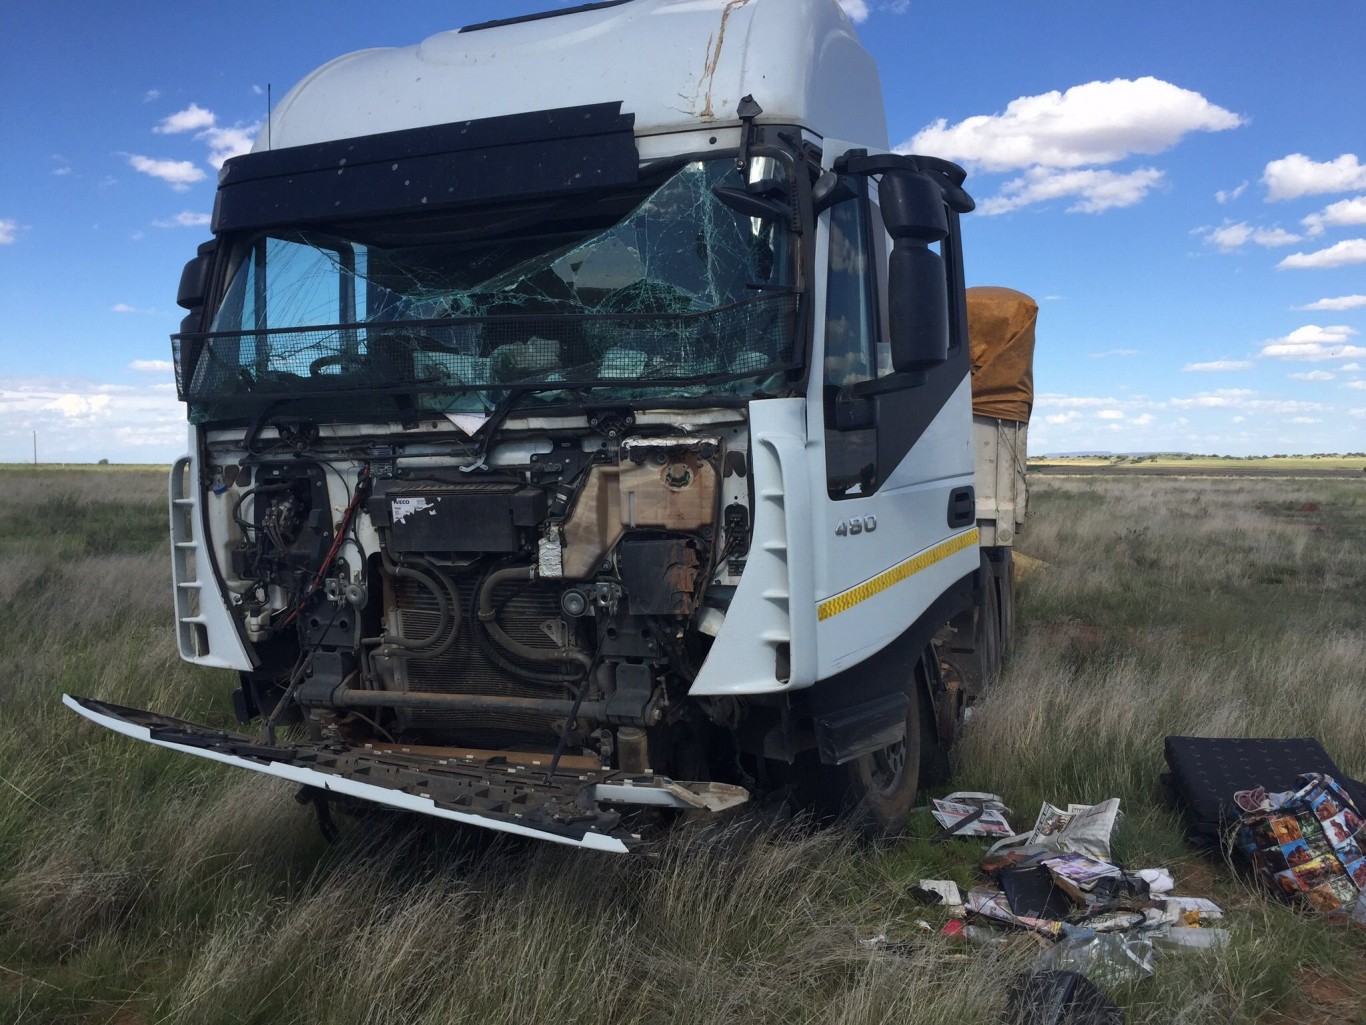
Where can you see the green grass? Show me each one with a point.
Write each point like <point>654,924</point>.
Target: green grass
<point>139,886</point>
<point>1348,463</point>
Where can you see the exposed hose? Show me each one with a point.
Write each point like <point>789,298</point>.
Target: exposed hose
<point>491,652</point>
<point>443,604</point>
<point>488,619</point>
<point>457,614</point>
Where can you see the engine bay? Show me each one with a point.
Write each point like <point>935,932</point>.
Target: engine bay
<point>557,593</point>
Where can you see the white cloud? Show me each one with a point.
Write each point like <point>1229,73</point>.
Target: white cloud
<point>1108,353</point>
<point>1230,236</point>
<point>9,231</point>
<point>1110,414</point>
<point>1244,400</point>
<point>122,308</point>
<point>80,420</point>
<point>256,90</point>
<point>1343,213</point>
<point>179,174</point>
<point>184,219</point>
<point>1350,368</point>
<point>1305,420</point>
<point>1219,364</point>
<point>1050,400</point>
<point>191,119</point>
<point>1297,175</point>
<point>1314,375</point>
<point>1229,195</point>
<point>1356,385</point>
<point>1352,250</point>
<point>1314,344</point>
<point>150,95</point>
<point>1095,191</point>
<point>1342,302</point>
<point>856,9</point>
<point>78,407</point>
<point>1142,420</point>
<point>152,366</point>
<point>1095,123</point>
<point>1058,419</point>
<point>226,143</point>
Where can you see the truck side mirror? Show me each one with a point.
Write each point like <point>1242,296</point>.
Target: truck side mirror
<point>766,199</point>
<point>194,279</point>
<point>917,280</point>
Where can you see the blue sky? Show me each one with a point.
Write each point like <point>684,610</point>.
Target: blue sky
<point>1182,186</point>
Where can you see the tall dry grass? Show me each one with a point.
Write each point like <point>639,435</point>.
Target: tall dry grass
<point>138,886</point>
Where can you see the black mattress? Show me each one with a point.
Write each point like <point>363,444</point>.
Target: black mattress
<point>1207,771</point>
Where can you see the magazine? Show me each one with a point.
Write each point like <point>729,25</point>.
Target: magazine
<point>992,821</point>
<point>1081,829</point>
<point>992,904</point>
<point>1081,871</point>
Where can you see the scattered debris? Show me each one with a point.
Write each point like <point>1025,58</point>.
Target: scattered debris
<point>1058,887</point>
<point>1108,958</point>
<point>1081,828</point>
<point>946,893</point>
<point>971,814</point>
<point>1059,998</point>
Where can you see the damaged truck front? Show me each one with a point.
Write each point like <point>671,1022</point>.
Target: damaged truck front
<point>577,424</point>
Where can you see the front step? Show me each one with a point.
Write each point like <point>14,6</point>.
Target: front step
<point>504,791</point>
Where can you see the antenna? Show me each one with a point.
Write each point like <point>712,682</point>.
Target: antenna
<point>268,115</point>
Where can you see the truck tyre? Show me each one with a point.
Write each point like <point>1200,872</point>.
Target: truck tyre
<point>880,788</point>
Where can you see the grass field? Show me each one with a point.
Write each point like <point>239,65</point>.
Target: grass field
<point>141,887</point>
<point>1349,464</point>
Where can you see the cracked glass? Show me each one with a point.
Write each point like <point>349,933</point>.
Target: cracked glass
<point>667,292</point>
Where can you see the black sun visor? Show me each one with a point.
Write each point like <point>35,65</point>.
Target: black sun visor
<point>542,153</point>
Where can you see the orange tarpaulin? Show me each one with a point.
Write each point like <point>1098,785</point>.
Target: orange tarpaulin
<point>1001,332</point>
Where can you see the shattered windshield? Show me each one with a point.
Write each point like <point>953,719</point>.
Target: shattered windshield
<point>675,294</point>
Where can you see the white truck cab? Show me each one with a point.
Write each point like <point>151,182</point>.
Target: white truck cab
<point>580,420</point>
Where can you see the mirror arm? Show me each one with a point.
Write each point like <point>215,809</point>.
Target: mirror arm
<point>747,110</point>
<point>944,173</point>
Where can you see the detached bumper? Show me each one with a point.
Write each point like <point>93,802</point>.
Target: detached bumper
<point>503,791</point>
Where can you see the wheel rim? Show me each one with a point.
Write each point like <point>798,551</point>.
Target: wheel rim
<point>889,765</point>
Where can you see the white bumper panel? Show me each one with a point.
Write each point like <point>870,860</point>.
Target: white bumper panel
<point>343,785</point>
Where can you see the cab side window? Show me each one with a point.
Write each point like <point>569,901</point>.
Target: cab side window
<point>849,298</point>
<point>852,341</point>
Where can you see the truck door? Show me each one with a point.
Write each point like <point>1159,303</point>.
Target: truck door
<point>890,454</point>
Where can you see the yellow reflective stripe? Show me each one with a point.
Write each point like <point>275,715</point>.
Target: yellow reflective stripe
<point>901,571</point>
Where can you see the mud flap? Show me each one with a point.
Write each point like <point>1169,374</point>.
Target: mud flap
<point>492,790</point>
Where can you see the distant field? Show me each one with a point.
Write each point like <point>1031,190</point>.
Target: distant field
<point>1258,466</point>
<point>141,887</point>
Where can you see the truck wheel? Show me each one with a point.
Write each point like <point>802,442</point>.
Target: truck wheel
<point>880,788</point>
